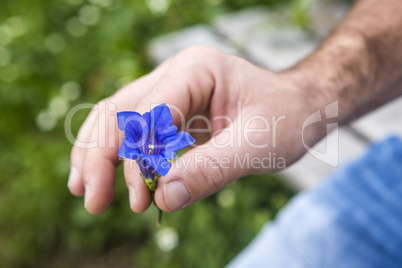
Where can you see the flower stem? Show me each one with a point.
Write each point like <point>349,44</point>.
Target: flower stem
<point>159,217</point>
<point>159,222</point>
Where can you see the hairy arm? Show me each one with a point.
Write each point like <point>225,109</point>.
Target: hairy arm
<point>360,63</point>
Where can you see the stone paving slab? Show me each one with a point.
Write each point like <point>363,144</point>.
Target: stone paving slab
<point>169,45</point>
<point>264,39</point>
<point>383,122</point>
<point>239,26</point>
<point>279,49</point>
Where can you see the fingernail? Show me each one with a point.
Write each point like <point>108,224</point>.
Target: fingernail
<point>133,196</point>
<point>73,176</point>
<point>176,195</point>
<point>87,195</point>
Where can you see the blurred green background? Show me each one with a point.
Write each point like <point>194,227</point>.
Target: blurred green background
<point>55,54</point>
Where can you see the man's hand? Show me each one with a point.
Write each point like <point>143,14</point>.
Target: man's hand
<point>253,114</point>
<point>358,66</point>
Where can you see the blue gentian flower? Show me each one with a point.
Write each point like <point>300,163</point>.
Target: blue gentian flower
<point>152,141</point>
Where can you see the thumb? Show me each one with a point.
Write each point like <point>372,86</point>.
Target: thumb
<point>199,173</point>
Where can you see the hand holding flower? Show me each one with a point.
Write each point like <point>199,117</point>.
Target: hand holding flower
<point>152,141</point>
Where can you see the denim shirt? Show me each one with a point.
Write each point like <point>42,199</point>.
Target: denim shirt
<point>353,219</point>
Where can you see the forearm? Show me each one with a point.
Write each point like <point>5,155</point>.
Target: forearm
<point>359,64</point>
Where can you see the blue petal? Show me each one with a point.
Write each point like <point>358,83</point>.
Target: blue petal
<point>147,117</point>
<point>124,117</point>
<point>160,119</point>
<point>162,115</point>
<point>175,143</point>
<point>168,132</point>
<point>169,154</point>
<point>158,162</point>
<point>136,134</point>
<point>126,150</point>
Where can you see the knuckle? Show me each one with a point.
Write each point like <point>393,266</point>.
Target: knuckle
<point>162,88</point>
<point>200,50</point>
<point>199,53</point>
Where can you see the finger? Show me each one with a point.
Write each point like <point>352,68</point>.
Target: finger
<point>199,173</point>
<point>99,179</point>
<point>140,197</point>
<point>75,183</point>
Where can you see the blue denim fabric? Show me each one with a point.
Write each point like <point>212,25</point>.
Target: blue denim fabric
<point>353,219</point>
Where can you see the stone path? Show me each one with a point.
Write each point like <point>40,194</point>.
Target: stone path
<point>267,39</point>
